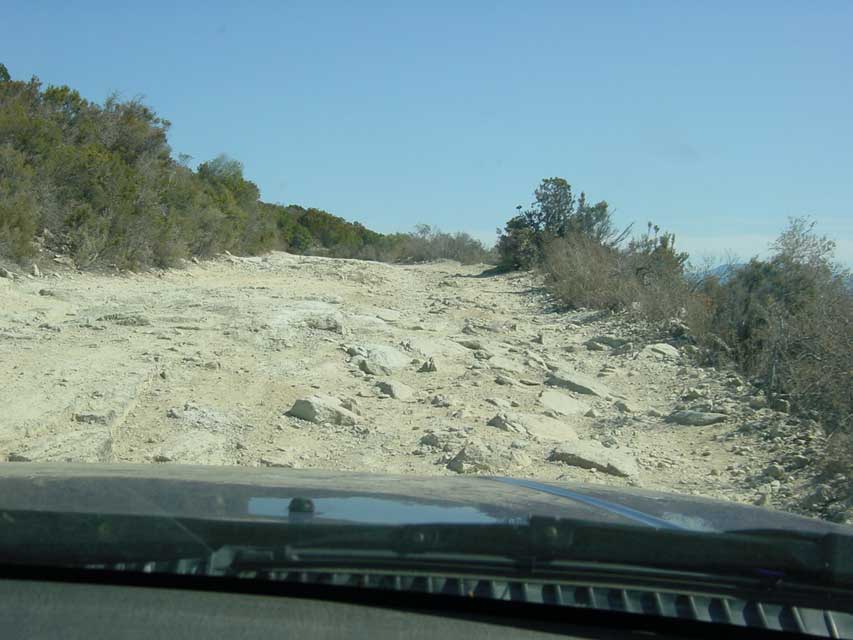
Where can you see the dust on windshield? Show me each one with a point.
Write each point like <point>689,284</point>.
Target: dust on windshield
<point>666,303</point>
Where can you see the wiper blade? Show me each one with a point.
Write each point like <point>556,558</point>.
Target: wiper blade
<point>80,539</point>
<point>544,543</point>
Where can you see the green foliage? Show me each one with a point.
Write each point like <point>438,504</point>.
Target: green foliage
<point>518,245</point>
<point>428,243</point>
<point>555,213</point>
<point>789,322</point>
<point>17,204</point>
<point>654,260</point>
<point>101,180</point>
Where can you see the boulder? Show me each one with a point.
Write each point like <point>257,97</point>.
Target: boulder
<point>473,457</point>
<point>439,440</point>
<point>576,381</point>
<point>428,366</point>
<point>320,408</point>
<point>370,367</point>
<point>588,454</point>
<point>533,425</point>
<point>561,403</point>
<point>623,407</point>
<point>692,418</point>
<point>440,400</point>
<point>507,422</point>
<point>663,349</point>
<point>395,389</point>
<point>381,355</point>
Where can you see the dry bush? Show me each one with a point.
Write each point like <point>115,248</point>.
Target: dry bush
<point>645,279</point>
<point>428,243</point>
<point>581,272</point>
<point>789,323</point>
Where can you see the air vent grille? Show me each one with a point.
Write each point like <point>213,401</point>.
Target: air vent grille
<point>699,607</point>
<point>670,604</point>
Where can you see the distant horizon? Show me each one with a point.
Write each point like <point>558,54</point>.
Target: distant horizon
<point>716,123</point>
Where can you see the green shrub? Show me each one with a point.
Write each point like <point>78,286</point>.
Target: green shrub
<point>18,214</point>
<point>101,180</point>
<point>789,323</point>
<point>555,213</point>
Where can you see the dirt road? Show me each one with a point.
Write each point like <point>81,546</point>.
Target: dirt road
<point>309,362</point>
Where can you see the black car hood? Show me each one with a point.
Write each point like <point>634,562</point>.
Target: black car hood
<point>263,494</point>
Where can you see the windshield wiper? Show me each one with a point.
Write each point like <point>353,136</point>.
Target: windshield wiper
<point>541,544</point>
<point>546,544</point>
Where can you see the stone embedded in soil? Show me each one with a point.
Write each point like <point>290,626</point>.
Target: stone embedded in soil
<point>320,408</point>
<point>382,355</point>
<point>588,454</point>
<point>474,345</point>
<point>547,428</point>
<point>371,368</point>
<point>610,341</point>
<point>505,364</point>
<point>473,457</point>
<point>500,403</point>
<point>92,418</point>
<point>395,389</point>
<point>623,407</point>
<point>561,403</point>
<point>663,349</point>
<point>691,418</point>
<point>507,381</point>
<point>505,422</point>
<point>534,426</point>
<point>325,323</point>
<point>576,381</point>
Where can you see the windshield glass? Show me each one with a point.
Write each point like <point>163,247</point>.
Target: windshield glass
<point>560,260</point>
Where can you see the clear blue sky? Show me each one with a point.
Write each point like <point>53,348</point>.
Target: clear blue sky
<point>716,120</point>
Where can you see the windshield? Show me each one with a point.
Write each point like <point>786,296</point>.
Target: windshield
<point>558,260</point>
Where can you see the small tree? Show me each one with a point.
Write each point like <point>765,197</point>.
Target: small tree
<point>555,213</point>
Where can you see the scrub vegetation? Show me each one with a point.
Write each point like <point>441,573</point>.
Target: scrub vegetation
<point>98,182</point>
<point>785,320</point>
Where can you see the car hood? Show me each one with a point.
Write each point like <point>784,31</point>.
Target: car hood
<point>264,494</point>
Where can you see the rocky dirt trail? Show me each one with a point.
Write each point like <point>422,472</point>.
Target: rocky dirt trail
<point>307,362</point>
